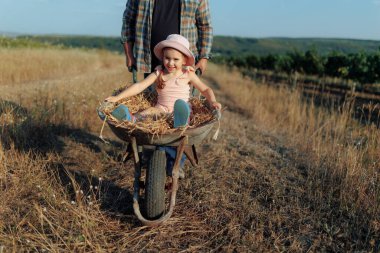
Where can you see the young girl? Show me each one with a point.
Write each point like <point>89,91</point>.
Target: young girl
<point>173,82</point>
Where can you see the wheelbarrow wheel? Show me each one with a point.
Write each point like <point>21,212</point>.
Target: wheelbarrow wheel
<point>155,185</point>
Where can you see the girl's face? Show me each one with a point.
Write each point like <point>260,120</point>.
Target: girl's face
<point>173,60</point>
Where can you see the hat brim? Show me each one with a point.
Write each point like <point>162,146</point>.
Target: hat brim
<point>158,51</point>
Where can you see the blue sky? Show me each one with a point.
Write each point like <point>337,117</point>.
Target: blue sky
<point>358,19</point>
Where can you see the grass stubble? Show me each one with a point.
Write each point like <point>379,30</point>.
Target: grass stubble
<point>284,175</point>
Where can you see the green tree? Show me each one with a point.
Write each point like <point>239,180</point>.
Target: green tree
<point>313,63</point>
<point>337,64</point>
<point>358,69</point>
<point>269,62</point>
<point>253,61</point>
<point>239,62</point>
<point>285,64</point>
<point>297,60</point>
<point>374,68</point>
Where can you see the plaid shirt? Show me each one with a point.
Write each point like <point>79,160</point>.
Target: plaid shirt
<point>195,25</point>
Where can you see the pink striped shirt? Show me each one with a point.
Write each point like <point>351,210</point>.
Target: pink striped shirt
<point>175,88</point>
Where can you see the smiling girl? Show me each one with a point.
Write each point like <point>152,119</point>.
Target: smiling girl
<point>173,82</point>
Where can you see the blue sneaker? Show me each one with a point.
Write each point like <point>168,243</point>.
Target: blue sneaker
<point>181,113</point>
<point>122,113</point>
<point>104,106</point>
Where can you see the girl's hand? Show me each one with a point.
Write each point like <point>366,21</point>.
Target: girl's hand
<point>216,105</point>
<point>112,99</point>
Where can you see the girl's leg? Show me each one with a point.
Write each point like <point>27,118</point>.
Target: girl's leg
<point>181,113</point>
<point>151,111</point>
<point>122,113</point>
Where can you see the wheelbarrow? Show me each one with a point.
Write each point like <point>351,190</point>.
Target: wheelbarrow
<point>144,145</point>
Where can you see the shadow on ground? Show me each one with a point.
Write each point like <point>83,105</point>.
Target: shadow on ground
<point>20,131</point>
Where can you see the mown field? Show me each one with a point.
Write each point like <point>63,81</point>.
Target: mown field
<point>284,175</point>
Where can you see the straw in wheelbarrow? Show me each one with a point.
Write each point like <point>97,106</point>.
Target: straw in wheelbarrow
<point>157,124</point>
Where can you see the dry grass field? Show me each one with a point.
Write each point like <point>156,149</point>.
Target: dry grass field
<point>284,175</point>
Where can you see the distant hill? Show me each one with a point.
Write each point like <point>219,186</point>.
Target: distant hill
<point>108,43</point>
<point>8,34</point>
<point>228,46</point>
<point>245,46</point>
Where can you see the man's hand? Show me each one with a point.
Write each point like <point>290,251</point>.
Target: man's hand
<point>130,59</point>
<point>202,65</point>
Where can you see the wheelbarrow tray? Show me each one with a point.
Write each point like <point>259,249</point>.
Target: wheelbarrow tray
<point>195,135</point>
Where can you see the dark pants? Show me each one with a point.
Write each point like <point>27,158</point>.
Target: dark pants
<point>171,153</point>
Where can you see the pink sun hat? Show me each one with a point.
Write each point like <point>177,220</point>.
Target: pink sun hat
<point>177,42</point>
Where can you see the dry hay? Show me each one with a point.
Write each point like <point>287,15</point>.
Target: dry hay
<point>12,114</point>
<point>157,124</point>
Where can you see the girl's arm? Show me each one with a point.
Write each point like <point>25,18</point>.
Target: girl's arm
<point>134,89</point>
<point>205,90</point>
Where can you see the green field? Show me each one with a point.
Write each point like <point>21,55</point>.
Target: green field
<point>229,46</point>
<point>245,46</point>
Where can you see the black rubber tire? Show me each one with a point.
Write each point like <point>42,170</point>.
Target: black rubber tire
<point>155,185</point>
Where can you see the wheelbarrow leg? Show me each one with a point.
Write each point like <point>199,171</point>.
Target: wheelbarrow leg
<point>180,151</point>
<point>136,185</point>
<point>191,154</point>
<point>128,152</point>
<point>136,207</point>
